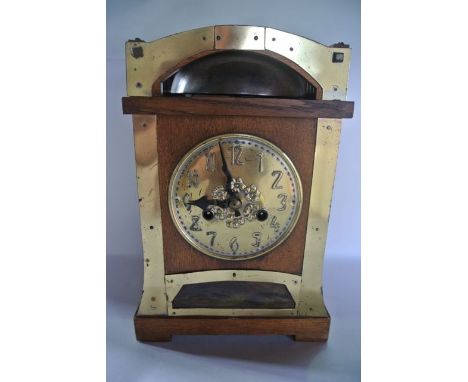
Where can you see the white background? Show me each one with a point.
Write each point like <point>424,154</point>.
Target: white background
<point>52,220</point>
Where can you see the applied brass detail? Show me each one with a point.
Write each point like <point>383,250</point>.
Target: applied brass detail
<point>156,59</point>
<point>326,153</point>
<point>153,300</point>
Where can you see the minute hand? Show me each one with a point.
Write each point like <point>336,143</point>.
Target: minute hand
<point>226,171</point>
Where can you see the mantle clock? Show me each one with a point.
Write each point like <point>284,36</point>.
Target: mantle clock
<point>236,132</point>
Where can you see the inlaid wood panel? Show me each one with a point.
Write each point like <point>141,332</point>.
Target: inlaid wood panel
<point>177,134</point>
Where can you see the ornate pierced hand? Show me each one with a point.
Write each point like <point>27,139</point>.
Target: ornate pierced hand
<point>204,203</point>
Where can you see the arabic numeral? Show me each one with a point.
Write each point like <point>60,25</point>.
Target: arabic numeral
<point>260,162</point>
<point>234,245</point>
<point>193,179</point>
<point>213,236</point>
<point>257,236</point>
<point>236,152</point>
<point>283,198</point>
<point>195,226</point>
<point>185,199</point>
<point>278,175</point>
<point>274,224</point>
<point>210,162</point>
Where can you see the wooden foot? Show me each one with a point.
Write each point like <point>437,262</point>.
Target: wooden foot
<point>162,328</point>
<point>310,338</point>
<point>154,337</point>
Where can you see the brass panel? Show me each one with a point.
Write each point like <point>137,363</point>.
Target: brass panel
<point>239,37</point>
<point>175,282</point>
<point>147,61</point>
<point>326,153</point>
<point>315,59</point>
<point>153,300</point>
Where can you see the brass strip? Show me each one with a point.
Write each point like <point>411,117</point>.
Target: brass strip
<point>326,153</point>
<point>175,282</point>
<point>239,37</point>
<point>315,59</point>
<point>153,300</point>
<point>233,312</point>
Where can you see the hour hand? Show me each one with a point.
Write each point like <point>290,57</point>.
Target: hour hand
<point>204,203</point>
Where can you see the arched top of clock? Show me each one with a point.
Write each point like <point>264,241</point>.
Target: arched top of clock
<point>149,64</point>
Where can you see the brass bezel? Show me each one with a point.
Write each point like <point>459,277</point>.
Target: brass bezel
<point>265,142</point>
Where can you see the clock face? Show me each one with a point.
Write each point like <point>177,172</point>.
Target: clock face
<point>235,196</point>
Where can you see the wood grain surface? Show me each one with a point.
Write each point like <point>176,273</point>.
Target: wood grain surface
<point>176,135</point>
<point>242,106</point>
<point>162,328</point>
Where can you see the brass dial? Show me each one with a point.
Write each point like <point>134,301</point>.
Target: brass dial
<point>235,196</point>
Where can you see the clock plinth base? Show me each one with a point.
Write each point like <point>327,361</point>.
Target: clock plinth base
<point>162,328</point>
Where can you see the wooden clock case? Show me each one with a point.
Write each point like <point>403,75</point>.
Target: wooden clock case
<point>166,127</point>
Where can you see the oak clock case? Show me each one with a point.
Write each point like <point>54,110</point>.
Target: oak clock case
<point>236,132</point>
<point>235,196</point>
